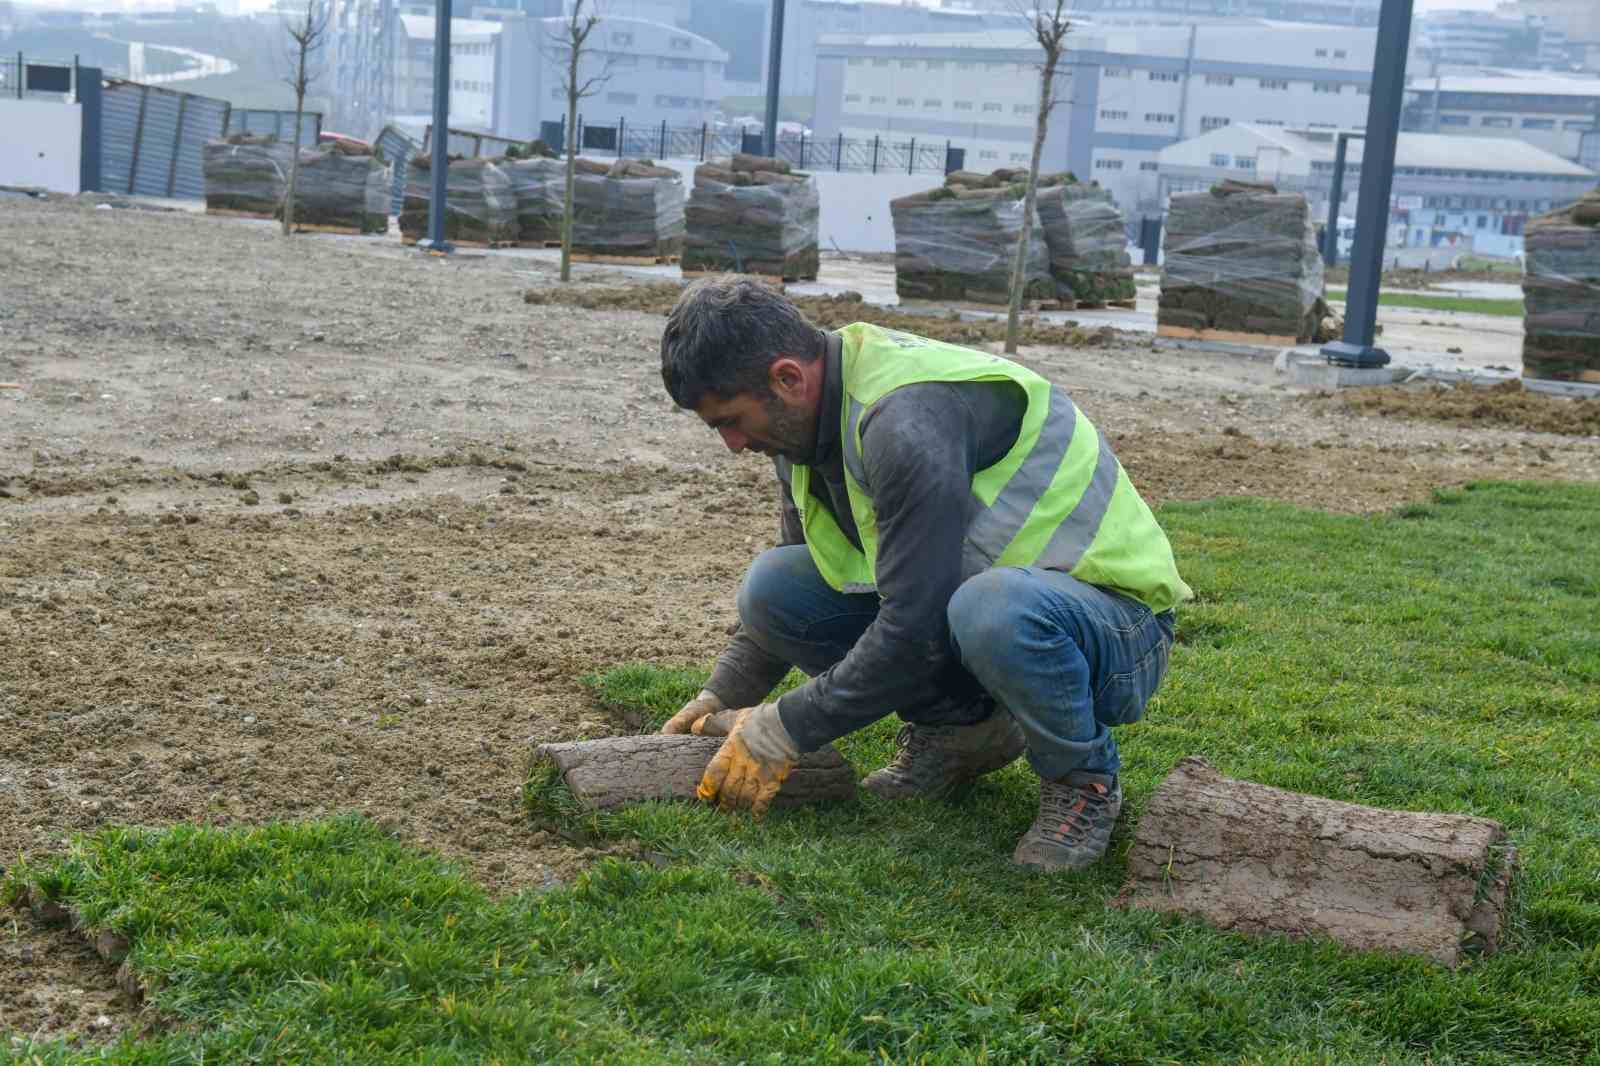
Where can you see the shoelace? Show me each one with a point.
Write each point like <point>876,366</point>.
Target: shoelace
<point>1074,808</point>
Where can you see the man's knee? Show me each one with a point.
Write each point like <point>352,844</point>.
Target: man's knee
<point>774,579</point>
<point>984,612</point>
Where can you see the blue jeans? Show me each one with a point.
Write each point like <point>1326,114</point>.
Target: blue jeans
<point>1068,660</point>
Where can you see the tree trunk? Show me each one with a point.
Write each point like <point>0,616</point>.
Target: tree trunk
<point>294,158</point>
<point>1253,859</point>
<point>622,770</point>
<point>1020,265</point>
<point>572,162</point>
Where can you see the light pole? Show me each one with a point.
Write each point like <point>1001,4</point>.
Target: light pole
<point>441,128</point>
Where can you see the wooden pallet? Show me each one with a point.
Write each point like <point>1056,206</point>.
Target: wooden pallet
<point>228,212</point>
<point>770,279</point>
<point>411,241</point>
<point>1227,336</point>
<point>347,231</point>
<point>1087,305</point>
<point>624,260</point>
<point>10,385</point>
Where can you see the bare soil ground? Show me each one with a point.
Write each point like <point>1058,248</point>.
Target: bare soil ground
<point>290,527</point>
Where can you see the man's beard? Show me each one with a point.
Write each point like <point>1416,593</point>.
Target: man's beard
<point>793,433</point>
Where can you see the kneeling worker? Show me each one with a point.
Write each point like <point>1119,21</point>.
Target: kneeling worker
<point>960,546</point>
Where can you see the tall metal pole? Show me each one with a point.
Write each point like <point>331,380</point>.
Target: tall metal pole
<point>1330,244</point>
<point>1377,179</point>
<point>441,126</point>
<point>774,66</point>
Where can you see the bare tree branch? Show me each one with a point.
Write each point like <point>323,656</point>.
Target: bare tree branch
<point>306,37</point>
<point>568,46</point>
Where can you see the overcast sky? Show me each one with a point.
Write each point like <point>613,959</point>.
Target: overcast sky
<point>261,5</point>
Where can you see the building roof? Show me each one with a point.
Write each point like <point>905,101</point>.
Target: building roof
<point>1432,151</point>
<point>420,27</point>
<point>1540,83</point>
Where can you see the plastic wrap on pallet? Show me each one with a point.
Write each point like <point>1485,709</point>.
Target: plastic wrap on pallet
<point>539,186</point>
<point>479,205</point>
<point>964,249</point>
<point>760,228</point>
<point>335,187</point>
<point>627,216</point>
<point>1087,242</point>
<point>1561,293</point>
<point>246,173</point>
<point>1242,261</point>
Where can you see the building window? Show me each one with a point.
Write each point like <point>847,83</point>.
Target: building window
<point>1160,117</point>
<point>621,38</point>
<point>1148,165</point>
<point>880,62</point>
<point>1019,157</point>
<point>1212,122</point>
<point>1108,164</point>
<point>932,103</point>
<point>1115,72</point>
<point>1219,79</point>
<point>681,44</point>
<point>1483,220</point>
<point>852,98</point>
<point>935,64</point>
<point>1164,75</point>
<point>1339,53</point>
<point>908,64</point>
<point>1495,122</point>
<point>1244,162</point>
<point>1274,83</point>
<point>879,100</point>
<point>1325,87</point>
<point>963,105</point>
<point>558,94</point>
<point>964,65</point>
<point>904,101</point>
<point>1575,124</point>
<point>989,154</point>
<point>1455,120</point>
<point>1269,122</point>
<point>1538,123</point>
<point>1322,53</point>
<point>1219,159</point>
<point>857,61</point>
<point>1022,109</point>
<point>622,98</point>
<point>1113,116</point>
<point>1363,90</point>
<point>991,107</point>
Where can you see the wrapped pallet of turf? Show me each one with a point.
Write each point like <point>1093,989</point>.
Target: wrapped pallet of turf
<point>1561,293</point>
<point>539,186</point>
<point>480,207</point>
<point>343,187</point>
<point>632,209</point>
<point>1242,258</point>
<point>752,215</point>
<point>959,242</point>
<point>246,174</point>
<point>1086,239</point>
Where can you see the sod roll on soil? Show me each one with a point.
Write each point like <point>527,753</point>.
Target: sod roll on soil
<point>247,174</point>
<point>1242,258</point>
<point>480,207</point>
<point>752,215</point>
<point>342,186</point>
<point>1561,294</point>
<point>958,242</point>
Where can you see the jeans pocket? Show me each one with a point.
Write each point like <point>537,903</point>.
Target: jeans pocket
<point>1122,697</point>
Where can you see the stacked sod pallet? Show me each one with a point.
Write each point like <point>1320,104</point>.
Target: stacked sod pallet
<point>246,174</point>
<point>538,182</point>
<point>959,241</point>
<point>1242,258</point>
<point>480,207</point>
<point>1087,241</point>
<point>343,187</point>
<point>1561,294</point>
<point>752,215</point>
<point>630,208</point>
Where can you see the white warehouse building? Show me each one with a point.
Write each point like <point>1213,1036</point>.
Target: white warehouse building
<point>1476,192</point>
<point>1123,93</point>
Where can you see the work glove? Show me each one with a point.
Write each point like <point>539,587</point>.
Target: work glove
<point>707,703</point>
<point>752,763</point>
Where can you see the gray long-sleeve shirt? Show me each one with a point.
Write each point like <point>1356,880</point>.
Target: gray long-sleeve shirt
<point>921,446</point>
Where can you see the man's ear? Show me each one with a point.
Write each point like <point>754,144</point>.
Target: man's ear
<point>787,377</point>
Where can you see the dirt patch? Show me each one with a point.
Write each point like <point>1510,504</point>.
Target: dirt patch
<point>831,312</point>
<point>291,527</point>
<point>1504,406</point>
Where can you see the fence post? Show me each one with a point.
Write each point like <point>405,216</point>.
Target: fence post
<point>802,149</point>
<point>22,75</point>
<point>911,160</point>
<point>622,133</point>
<point>874,153</point>
<point>577,144</point>
<point>838,154</point>
<point>704,129</point>
<point>663,153</point>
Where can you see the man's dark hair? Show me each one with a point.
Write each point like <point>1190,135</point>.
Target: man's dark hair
<point>724,335</point>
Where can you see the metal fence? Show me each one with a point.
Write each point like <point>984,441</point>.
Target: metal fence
<point>277,123</point>
<point>22,77</point>
<point>398,149</point>
<point>153,139</point>
<point>874,155</point>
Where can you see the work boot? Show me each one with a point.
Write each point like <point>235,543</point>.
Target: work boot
<point>1076,814</point>
<point>937,760</point>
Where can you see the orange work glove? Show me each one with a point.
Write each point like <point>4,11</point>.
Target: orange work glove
<point>707,702</point>
<point>752,763</point>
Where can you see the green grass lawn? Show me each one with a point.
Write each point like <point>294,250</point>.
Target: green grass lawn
<point>1442,657</point>
<point>1473,305</point>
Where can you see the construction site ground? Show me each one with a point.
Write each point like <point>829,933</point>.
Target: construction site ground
<point>297,526</point>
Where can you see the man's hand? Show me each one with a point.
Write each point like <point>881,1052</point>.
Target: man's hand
<point>752,763</point>
<point>706,703</point>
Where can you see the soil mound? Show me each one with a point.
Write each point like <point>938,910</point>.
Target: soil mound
<point>1504,406</point>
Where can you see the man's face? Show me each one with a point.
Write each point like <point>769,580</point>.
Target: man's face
<point>767,425</point>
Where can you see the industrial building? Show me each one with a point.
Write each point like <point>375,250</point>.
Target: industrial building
<point>1124,92</point>
<point>1558,113</point>
<point>1443,39</point>
<point>1473,192</point>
